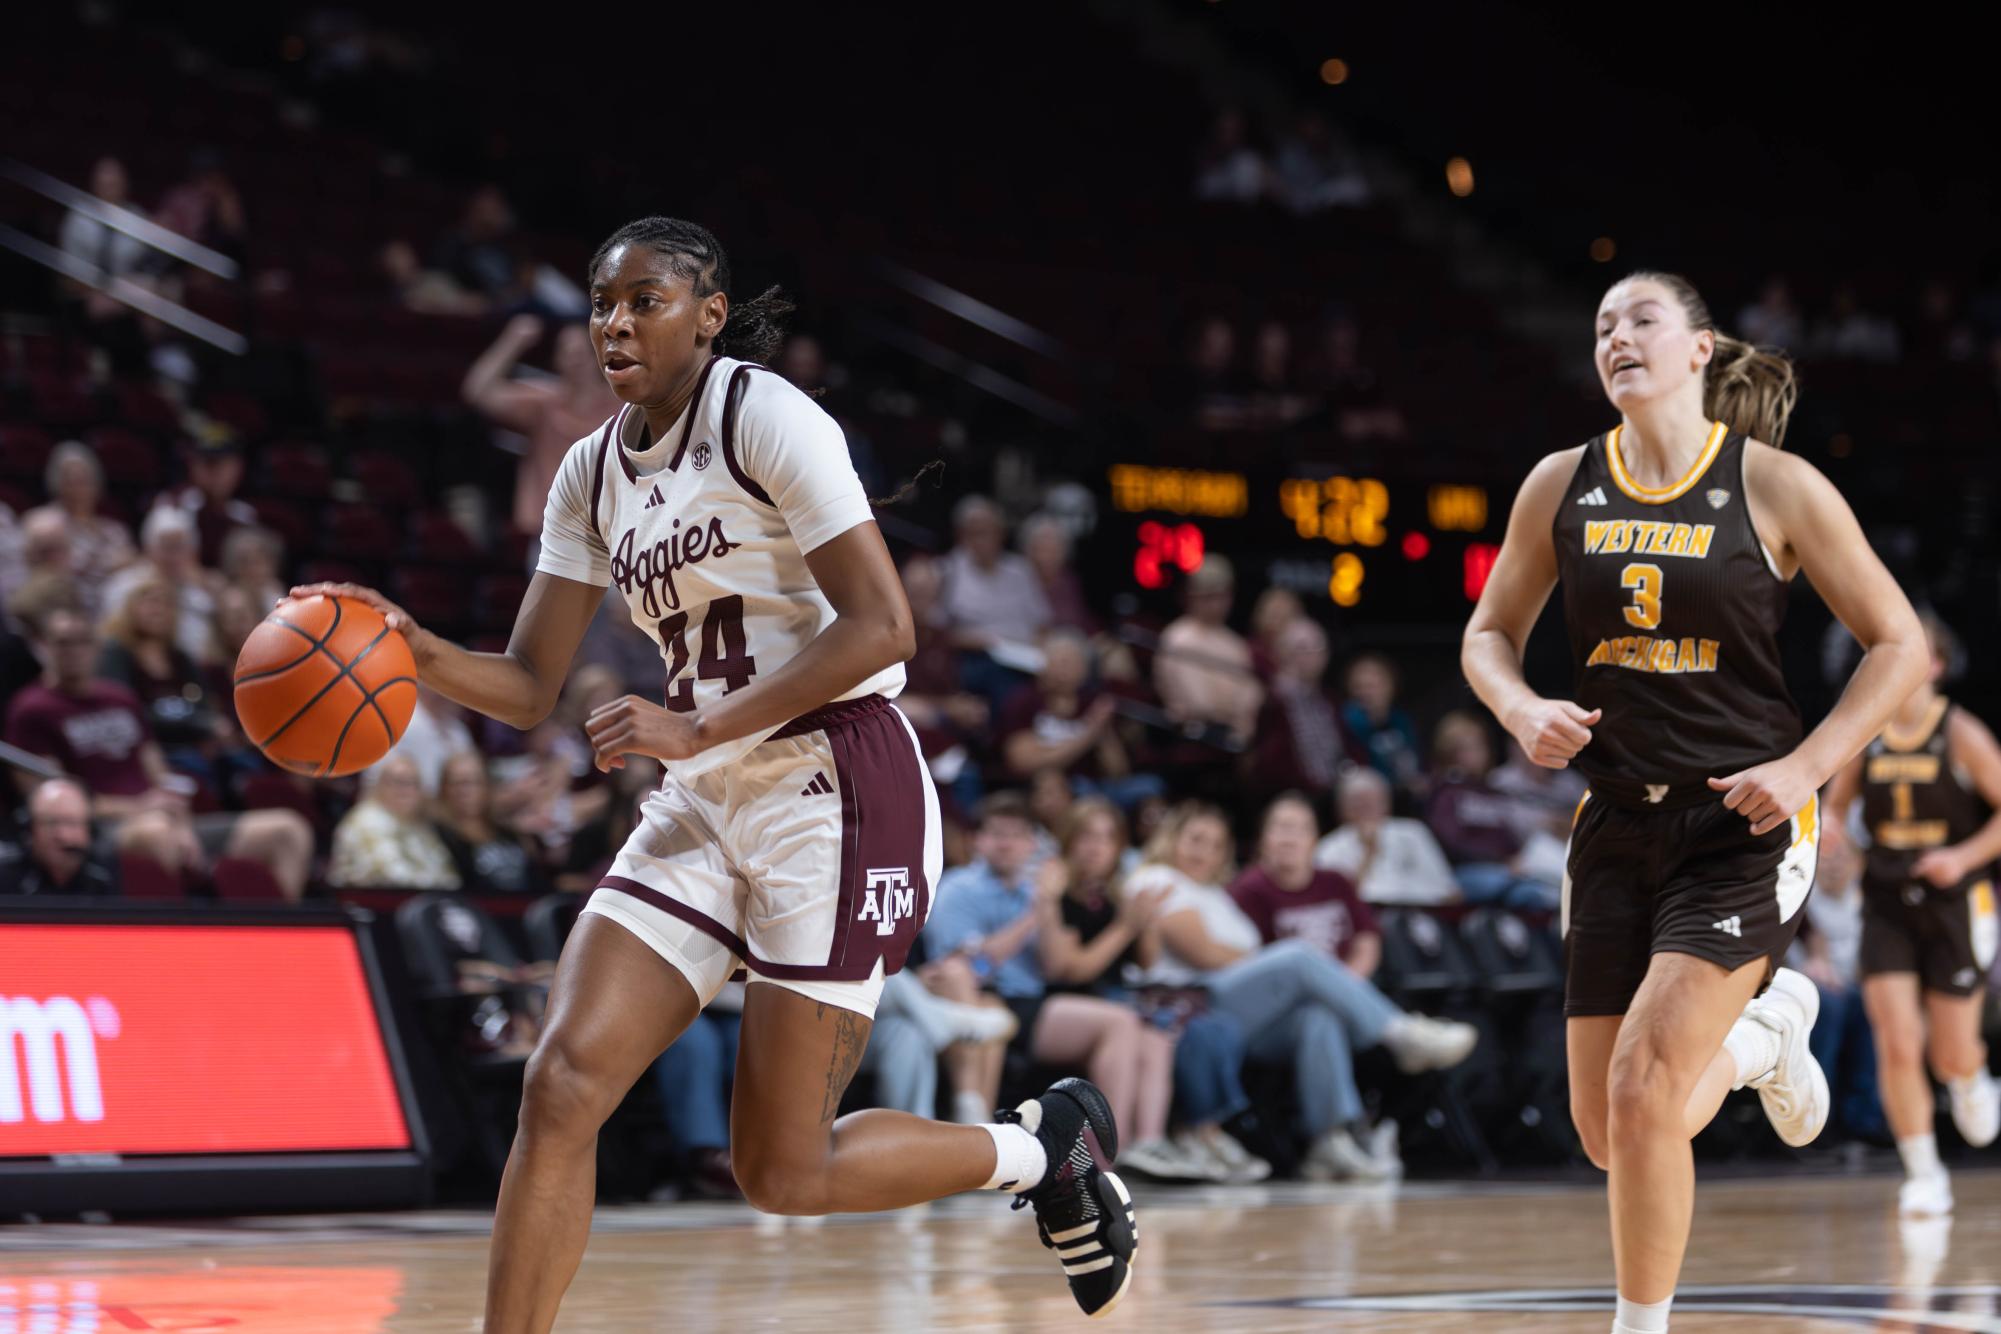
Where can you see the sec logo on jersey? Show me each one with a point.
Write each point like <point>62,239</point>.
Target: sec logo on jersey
<point>701,455</point>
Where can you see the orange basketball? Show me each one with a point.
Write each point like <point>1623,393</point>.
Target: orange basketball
<point>324,686</point>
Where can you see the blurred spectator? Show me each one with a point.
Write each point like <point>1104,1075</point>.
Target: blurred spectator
<point>1214,386</point>
<point>97,731</point>
<point>1849,333</point>
<point>1390,859</point>
<point>987,914</point>
<point>1227,169</point>
<point>1382,731</point>
<point>1275,609</point>
<point>1313,171</point>
<point>1545,799</point>
<point>425,291</point>
<point>1942,333</point>
<point>437,732</point>
<point>12,568</point>
<point>1202,668</point>
<point>1299,743</point>
<point>478,254</point>
<point>992,602</point>
<point>1299,1006</point>
<point>251,560</point>
<point>206,206</point>
<point>951,723</point>
<point>803,362</point>
<point>1351,388</point>
<point>550,413</point>
<point>45,552</point>
<point>614,643</point>
<point>1476,825</point>
<point>487,858</point>
<point>693,1076</point>
<point>1829,952</point>
<point>98,544</point>
<point>1061,722</point>
<point>1046,543</point>
<point>168,541</point>
<point>59,857</point>
<point>385,841</point>
<point>1275,396</point>
<point>1773,320</point>
<point>83,237</point>
<point>1090,933</point>
<point>913,1028</point>
<point>1289,898</point>
<point>237,613</point>
<point>215,471</point>
<point>139,654</point>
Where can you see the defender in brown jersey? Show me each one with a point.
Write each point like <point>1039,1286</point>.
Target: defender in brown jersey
<point>1675,536</point>
<point>1930,786</point>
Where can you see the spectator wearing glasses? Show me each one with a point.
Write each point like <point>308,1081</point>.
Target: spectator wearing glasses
<point>59,857</point>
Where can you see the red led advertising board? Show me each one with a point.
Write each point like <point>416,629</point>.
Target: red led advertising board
<point>190,1039</point>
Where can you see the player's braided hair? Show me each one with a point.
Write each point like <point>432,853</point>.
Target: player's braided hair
<point>1748,388</point>
<point>754,329</point>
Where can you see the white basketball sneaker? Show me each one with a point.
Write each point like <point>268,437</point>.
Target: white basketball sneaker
<point>1976,1108</point>
<point>1794,1091</point>
<point>1927,1196</point>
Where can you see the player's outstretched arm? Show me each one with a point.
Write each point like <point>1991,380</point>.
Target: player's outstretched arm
<point>518,687</point>
<point>1551,731</point>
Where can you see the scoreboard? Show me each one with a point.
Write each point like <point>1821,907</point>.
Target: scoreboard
<point>1393,547</point>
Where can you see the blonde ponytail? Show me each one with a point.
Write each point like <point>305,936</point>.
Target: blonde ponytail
<point>1749,389</point>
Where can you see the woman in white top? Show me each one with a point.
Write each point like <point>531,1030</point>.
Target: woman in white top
<point>1298,1004</point>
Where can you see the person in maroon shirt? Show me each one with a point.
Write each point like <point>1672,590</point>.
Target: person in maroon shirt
<point>1300,743</point>
<point>97,732</point>
<point>1291,899</point>
<point>215,471</point>
<point>1476,823</point>
<point>1061,721</point>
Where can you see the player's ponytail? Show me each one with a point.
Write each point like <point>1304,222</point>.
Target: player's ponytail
<point>1749,389</point>
<point>755,329</point>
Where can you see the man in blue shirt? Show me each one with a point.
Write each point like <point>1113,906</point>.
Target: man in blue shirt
<point>985,912</point>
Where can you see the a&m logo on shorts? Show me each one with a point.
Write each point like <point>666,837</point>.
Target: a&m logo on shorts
<point>887,897</point>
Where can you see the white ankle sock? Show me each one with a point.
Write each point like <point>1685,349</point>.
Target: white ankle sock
<point>1754,1047</point>
<point>1920,1155</point>
<point>1019,1161</point>
<point>1641,1317</point>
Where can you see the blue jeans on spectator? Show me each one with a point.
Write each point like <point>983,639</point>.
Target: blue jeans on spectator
<point>1491,882</point>
<point>1846,1049</point>
<point>1302,1006</point>
<point>1208,1070</point>
<point>904,1064</point>
<point>693,1075</point>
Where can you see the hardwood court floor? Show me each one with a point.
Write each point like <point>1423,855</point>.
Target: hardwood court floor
<point>1779,1256</point>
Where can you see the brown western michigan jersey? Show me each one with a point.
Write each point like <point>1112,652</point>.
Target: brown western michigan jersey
<point>1913,799</point>
<point>1673,607</point>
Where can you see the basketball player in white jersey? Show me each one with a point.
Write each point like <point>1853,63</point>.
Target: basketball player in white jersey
<point>796,835</point>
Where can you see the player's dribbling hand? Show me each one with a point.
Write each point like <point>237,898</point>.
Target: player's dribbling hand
<point>1943,867</point>
<point>416,636</point>
<point>1769,794</point>
<point>630,725</point>
<point>1552,731</point>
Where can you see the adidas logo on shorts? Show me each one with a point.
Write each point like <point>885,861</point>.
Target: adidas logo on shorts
<point>819,787</point>
<point>1730,926</point>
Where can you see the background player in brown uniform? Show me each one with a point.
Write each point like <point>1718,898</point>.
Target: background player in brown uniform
<point>1929,785</point>
<point>1674,536</point>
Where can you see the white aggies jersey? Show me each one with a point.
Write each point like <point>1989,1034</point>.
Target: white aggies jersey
<point>705,533</point>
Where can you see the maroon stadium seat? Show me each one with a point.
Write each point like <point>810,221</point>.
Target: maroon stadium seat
<point>144,878</point>
<point>131,461</point>
<point>24,451</point>
<point>241,880</point>
<point>388,480</point>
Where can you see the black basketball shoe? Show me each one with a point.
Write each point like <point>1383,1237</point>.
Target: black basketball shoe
<point>1082,1210</point>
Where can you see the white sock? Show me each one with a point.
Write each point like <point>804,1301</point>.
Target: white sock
<point>1019,1161</point>
<point>1920,1155</point>
<point>969,1108</point>
<point>1641,1317</point>
<point>1754,1047</point>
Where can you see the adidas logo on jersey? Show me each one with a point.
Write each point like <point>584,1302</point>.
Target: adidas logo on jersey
<point>1965,977</point>
<point>1595,496</point>
<point>1730,926</point>
<point>655,499</point>
<point>819,787</point>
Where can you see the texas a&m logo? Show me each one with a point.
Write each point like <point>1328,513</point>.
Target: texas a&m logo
<point>887,897</point>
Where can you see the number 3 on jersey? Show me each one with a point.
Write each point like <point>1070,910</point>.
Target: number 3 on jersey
<point>725,654</point>
<point>1645,581</point>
